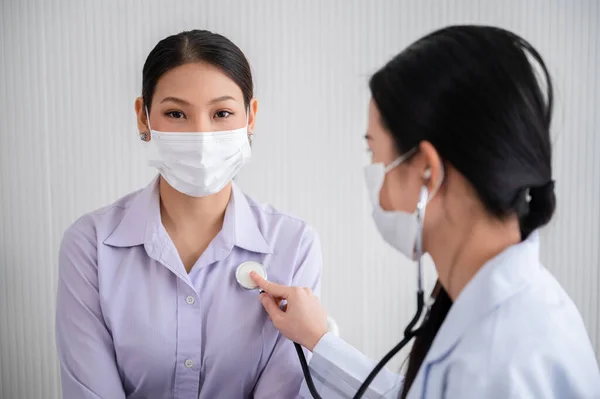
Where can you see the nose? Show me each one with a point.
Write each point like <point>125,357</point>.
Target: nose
<point>202,123</point>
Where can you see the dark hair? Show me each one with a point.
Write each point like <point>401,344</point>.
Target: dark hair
<point>472,92</point>
<point>196,46</point>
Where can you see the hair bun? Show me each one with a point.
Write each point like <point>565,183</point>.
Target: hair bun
<point>542,204</point>
<point>542,191</point>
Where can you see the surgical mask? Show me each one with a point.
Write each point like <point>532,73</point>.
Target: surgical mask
<point>198,163</point>
<point>398,228</point>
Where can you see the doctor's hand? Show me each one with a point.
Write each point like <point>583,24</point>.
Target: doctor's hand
<point>302,319</point>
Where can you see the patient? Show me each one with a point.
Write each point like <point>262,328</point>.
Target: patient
<point>148,303</point>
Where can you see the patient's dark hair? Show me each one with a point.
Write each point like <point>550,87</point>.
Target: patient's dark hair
<point>196,46</point>
<point>472,92</point>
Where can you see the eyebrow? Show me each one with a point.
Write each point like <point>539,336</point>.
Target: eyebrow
<point>175,100</point>
<point>184,102</point>
<point>221,99</point>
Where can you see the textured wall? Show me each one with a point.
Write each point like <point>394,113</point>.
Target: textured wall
<point>70,71</point>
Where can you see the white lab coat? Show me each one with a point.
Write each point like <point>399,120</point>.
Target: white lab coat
<point>512,333</point>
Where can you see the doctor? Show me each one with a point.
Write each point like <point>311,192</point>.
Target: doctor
<point>459,122</point>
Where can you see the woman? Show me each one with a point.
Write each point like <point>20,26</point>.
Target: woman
<point>459,124</point>
<point>148,303</point>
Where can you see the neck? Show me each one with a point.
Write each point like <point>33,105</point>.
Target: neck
<point>192,215</point>
<point>458,257</point>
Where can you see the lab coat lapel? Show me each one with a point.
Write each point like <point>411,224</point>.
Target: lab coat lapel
<point>498,280</point>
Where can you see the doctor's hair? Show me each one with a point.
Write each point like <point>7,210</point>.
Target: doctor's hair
<point>473,93</point>
<point>192,47</point>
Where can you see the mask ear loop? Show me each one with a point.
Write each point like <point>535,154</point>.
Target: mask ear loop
<point>400,159</point>
<point>249,133</point>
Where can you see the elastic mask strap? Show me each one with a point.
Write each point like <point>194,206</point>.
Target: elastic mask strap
<point>248,132</point>
<point>400,159</point>
<point>148,117</point>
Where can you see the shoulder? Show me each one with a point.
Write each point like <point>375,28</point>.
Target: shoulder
<point>533,345</point>
<point>95,226</point>
<point>547,317</point>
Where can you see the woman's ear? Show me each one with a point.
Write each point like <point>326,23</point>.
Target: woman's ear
<point>252,111</point>
<point>140,112</point>
<point>434,173</point>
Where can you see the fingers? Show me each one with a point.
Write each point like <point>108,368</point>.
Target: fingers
<point>276,290</point>
<point>272,308</point>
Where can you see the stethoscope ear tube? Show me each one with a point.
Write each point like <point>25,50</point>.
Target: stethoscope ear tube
<point>409,334</point>
<point>306,372</point>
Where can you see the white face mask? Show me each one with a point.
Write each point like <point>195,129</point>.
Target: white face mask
<point>199,163</point>
<point>398,228</point>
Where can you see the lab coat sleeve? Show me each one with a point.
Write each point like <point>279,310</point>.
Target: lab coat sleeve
<point>338,369</point>
<point>282,376</point>
<point>85,348</point>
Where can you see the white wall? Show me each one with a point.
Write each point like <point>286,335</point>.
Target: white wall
<point>70,71</point>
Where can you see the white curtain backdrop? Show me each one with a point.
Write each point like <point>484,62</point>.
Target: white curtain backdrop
<point>70,71</point>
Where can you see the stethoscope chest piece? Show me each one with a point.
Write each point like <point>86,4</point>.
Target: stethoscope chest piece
<point>242,274</point>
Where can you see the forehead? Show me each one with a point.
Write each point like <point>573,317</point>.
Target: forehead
<point>197,82</point>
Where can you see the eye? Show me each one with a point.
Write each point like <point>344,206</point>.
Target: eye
<point>175,114</point>
<point>222,114</point>
<point>368,147</point>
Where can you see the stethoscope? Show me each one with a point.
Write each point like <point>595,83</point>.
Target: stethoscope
<point>242,276</point>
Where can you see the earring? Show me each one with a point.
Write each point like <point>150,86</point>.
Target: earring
<point>250,137</point>
<point>144,136</point>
